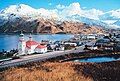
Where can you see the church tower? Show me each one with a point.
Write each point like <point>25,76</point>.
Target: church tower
<point>21,45</point>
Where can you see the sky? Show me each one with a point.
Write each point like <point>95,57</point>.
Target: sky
<point>104,5</point>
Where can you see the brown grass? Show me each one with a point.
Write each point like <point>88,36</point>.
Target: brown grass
<point>44,72</point>
<point>54,70</point>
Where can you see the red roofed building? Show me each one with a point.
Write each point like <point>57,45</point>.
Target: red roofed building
<point>31,47</point>
<point>31,43</point>
<point>41,49</point>
<point>40,46</point>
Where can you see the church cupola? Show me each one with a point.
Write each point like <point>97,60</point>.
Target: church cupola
<point>21,44</point>
<point>30,37</point>
<point>21,37</point>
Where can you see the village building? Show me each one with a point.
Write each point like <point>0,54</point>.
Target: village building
<point>22,45</point>
<point>91,36</point>
<point>102,42</point>
<point>70,43</point>
<point>106,43</point>
<point>117,38</point>
<point>30,46</point>
<point>59,48</point>
<point>56,47</point>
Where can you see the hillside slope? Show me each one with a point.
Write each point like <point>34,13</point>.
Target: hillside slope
<point>47,26</point>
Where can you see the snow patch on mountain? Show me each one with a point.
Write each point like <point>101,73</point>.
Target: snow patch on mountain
<point>109,21</point>
<point>21,9</point>
<point>72,12</point>
<point>117,23</point>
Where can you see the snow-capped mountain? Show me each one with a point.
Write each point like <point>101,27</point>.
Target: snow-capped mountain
<point>91,22</point>
<point>117,23</point>
<point>73,12</point>
<point>21,9</point>
<point>111,18</point>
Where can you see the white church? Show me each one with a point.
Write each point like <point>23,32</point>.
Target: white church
<point>30,46</point>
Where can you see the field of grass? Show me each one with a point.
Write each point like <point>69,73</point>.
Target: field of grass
<point>48,71</point>
<point>56,69</point>
<point>65,71</point>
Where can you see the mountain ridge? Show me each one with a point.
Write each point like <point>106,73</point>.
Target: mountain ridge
<point>16,16</point>
<point>49,27</point>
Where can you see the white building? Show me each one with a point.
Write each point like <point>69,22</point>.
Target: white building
<point>70,43</point>
<point>30,46</point>
<point>41,49</point>
<point>21,45</point>
<point>117,38</point>
<point>91,36</point>
<point>60,48</point>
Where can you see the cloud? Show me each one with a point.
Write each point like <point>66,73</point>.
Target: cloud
<point>92,13</point>
<point>48,13</point>
<point>75,9</point>
<point>59,6</point>
<point>111,15</point>
<point>70,10</point>
<point>62,11</point>
<point>115,13</point>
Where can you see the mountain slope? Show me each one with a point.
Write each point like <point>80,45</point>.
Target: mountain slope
<point>47,26</point>
<point>70,19</point>
<point>117,23</point>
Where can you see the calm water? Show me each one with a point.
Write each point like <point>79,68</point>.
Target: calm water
<point>97,59</point>
<point>9,42</point>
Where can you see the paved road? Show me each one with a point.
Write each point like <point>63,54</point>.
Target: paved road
<point>38,57</point>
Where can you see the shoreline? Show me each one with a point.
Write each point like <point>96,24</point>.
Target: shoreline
<point>116,56</point>
<point>37,33</point>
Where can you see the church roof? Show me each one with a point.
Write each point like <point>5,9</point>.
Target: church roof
<point>40,46</point>
<point>30,43</point>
